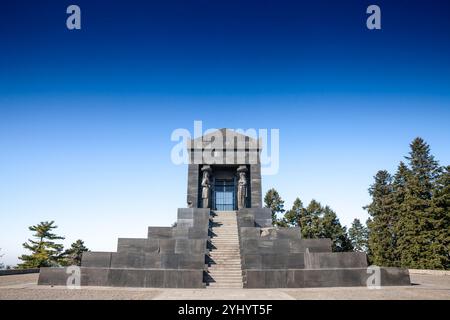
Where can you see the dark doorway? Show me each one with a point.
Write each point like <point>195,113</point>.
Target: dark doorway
<point>224,195</point>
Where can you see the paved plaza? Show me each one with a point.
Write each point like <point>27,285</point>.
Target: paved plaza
<point>425,286</point>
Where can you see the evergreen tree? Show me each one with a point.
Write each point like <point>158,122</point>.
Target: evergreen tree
<point>293,216</point>
<point>381,227</point>
<point>331,228</point>
<point>416,245</point>
<point>2,266</point>
<point>311,220</point>
<point>440,232</point>
<point>358,235</point>
<point>44,251</point>
<point>273,201</point>
<point>72,256</point>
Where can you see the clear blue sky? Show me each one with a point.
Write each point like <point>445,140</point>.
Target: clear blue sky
<point>86,116</point>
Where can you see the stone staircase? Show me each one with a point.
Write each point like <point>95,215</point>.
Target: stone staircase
<point>224,267</point>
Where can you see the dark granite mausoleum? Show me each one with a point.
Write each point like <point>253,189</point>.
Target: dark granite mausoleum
<point>224,238</point>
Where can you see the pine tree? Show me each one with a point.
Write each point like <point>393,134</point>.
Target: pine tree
<point>358,235</point>
<point>44,251</point>
<point>72,256</point>
<point>310,220</point>
<point>273,201</point>
<point>381,227</point>
<point>440,246</point>
<point>2,266</point>
<point>417,245</point>
<point>331,228</point>
<point>293,216</point>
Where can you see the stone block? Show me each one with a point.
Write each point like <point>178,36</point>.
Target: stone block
<point>53,276</point>
<point>127,260</point>
<point>395,277</point>
<point>169,261</point>
<point>249,233</point>
<point>127,277</point>
<point>329,260</point>
<point>295,278</point>
<point>249,245</point>
<point>185,223</point>
<point>185,213</point>
<point>276,279</point>
<point>191,261</point>
<point>154,279</point>
<point>94,259</point>
<point>314,245</point>
<point>138,245</point>
<point>295,261</point>
<point>94,276</point>
<point>180,233</point>
<point>274,261</point>
<point>152,261</point>
<point>266,246</point>
<point>251,261</point>
<point>288,233</point>
<point>167,245</point>
<point>171,278</point>
<point>159,232</point>
<point>254,279</point>
<point>195,233</point>
<point>190,279</point>
<point>190,246</point>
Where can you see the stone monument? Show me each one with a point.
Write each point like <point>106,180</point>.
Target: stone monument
<point>225,237</point>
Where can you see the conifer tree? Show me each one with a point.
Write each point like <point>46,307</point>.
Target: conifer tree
<point>440,232</point>
<point>358,235</point>
<point>2,266</point>
<point>273,201</point>
<point>310,221</point>
<point>416,245</point>
<point>72,256</point>
<point>294,215</point>
<point>331,228</point>
<point>44,251</point>
<point>381,228</point>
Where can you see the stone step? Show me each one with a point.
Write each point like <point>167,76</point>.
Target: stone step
<point>224,237</point>
<point>225,279</point>
<point>213,285</point>
<point>227,254</point>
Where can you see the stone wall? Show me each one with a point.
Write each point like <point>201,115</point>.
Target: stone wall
<point>170,257</point>
<point>279,258</point>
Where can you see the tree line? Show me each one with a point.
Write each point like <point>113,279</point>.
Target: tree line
<point>409,224</point>
<point>47,252</point>
<point>314,221</point>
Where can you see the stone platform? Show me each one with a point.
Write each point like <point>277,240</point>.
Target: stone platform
<point>170,257</point>
<point>224,249</point>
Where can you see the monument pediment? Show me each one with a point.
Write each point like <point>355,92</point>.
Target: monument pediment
<point>227,139</point>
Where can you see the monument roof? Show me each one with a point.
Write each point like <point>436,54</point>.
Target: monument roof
<point>232,139</point>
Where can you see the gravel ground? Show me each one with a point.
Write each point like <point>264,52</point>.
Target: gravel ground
<point>24,287</point>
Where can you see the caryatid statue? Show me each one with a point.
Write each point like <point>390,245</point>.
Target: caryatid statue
<point>206,187</point>
<point>242,188</point>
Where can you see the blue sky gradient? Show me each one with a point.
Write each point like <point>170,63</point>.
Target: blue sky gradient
<point>86,116</point>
